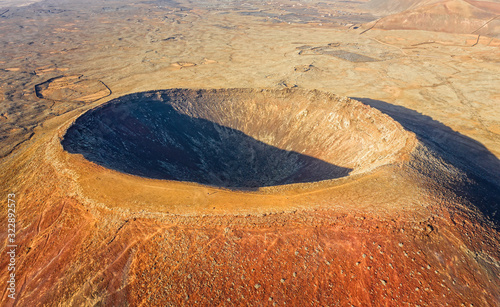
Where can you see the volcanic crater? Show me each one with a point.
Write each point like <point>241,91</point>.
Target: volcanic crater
<point>237,138</point>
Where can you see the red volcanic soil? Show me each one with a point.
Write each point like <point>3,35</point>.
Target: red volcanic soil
<point>317,257</point>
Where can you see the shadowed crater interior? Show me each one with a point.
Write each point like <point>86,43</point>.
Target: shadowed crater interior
<point>235,138</point>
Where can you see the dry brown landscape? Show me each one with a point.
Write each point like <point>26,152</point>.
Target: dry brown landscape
<point>250,153</point>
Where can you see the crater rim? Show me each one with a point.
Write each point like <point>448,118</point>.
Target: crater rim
<point>192,93</point>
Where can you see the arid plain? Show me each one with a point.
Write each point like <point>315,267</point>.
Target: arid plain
<point>399,104</point>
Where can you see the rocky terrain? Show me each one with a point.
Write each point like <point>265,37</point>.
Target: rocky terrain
<point>275,153</point>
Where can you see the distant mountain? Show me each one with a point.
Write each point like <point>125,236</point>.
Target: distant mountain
<point>453,16</point>
<point>387,7</point>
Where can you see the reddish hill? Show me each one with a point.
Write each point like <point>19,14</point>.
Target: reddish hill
<point>453,16</point>
<point>384,7</point>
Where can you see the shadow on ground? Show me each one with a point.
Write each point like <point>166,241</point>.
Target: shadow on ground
<point>464,153</point>
<point>151,139</point>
